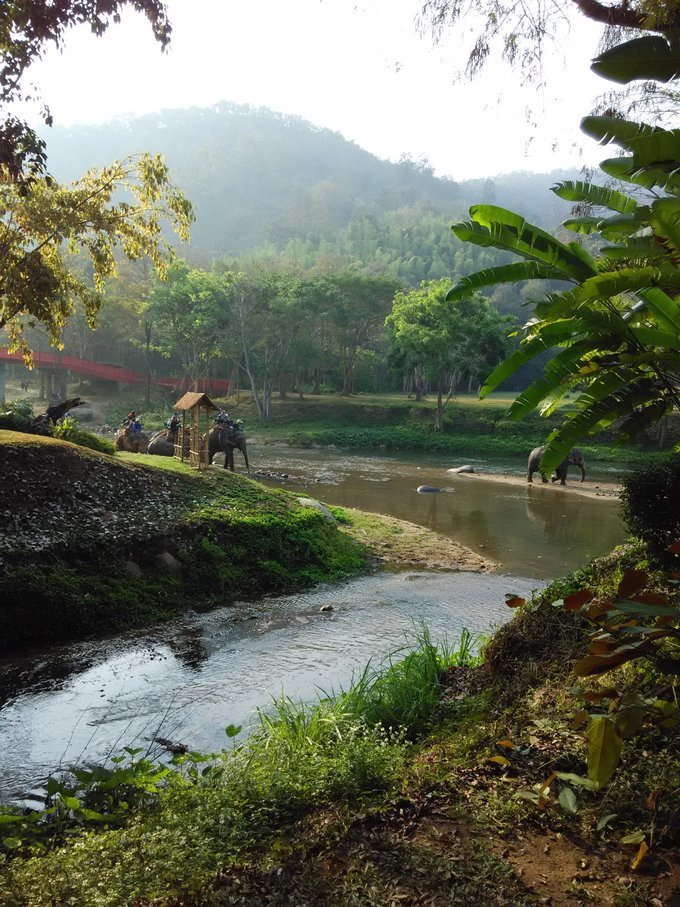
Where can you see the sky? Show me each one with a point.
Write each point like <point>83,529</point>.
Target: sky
<point>358,67</point>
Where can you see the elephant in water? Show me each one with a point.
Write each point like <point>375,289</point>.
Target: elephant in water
<point>225,438</point>
<point>574,458</point>
<point>132,441</point>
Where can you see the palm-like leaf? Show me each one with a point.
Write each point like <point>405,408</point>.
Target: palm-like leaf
<point>498,227</point>
<point>616,331</point>
<point>519,270</point>
<point>650,57</point>
<point>599,196</point>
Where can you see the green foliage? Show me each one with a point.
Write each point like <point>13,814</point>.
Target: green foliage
<point>616,330</point>
<point>649,499</point>
<point>48,223</point>
<point>182,824</point>
<point>17,415</point>
<point>67,429</point>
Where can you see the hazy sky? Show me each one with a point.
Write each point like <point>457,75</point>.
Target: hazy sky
<point>358,68</point>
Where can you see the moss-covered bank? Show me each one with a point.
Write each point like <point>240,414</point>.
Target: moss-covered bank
<point>90,544</point>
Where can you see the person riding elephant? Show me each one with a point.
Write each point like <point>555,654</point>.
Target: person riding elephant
<point>573,458</point>
<point>225,436</point>
<point>131,441</point>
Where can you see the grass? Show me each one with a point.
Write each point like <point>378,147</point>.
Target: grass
<point>401,789</point>
<point>344,749</point>
<point>227,537</point>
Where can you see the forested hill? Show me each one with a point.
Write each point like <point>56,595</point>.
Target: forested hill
<point>261,179</point>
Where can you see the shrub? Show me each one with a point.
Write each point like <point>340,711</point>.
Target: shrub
<point>17,416</point>
<point>67,429</point>
<point>650,505</point>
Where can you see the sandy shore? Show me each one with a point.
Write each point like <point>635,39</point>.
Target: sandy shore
<point>574,486</point>
<point>393,541</point>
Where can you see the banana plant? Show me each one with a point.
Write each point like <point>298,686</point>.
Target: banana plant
<point>615,327</point>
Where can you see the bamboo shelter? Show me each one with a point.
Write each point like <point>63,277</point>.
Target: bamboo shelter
<point>196,409</point>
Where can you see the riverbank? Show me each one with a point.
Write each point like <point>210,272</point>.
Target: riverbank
<point>437,778</point>
<point>471,427</point>
<point>90,543</point>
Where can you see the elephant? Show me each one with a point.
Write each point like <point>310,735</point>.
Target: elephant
<point>226,438</point>
<point>132,441</point>
<point>574,458</point>
<point>162,443</point>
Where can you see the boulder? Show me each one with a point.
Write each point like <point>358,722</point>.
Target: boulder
<point>167,562</point>
<point>317,505</point>
<point>459,470</point>
<point>427,489</point>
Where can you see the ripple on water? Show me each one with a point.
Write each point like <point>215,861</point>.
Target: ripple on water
<point>191,678</point>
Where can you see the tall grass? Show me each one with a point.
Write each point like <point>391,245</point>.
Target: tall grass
<point>345,747</point>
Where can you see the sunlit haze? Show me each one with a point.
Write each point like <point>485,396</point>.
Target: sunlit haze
<point>358,69</point>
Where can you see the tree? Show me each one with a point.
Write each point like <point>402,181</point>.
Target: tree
<point>444,343</point>
<point>616,330</point>
<point>42,225</point>
<point>27,27</point>
<point>355,308</point>
<point>191,313</point>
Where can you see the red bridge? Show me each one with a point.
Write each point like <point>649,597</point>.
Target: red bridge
<point>106,372</point>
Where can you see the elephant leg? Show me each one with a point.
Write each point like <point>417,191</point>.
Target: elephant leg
<point>245,457</point>
<point>229,458</point>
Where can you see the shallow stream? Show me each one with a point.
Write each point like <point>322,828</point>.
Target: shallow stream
<point>188,679</point>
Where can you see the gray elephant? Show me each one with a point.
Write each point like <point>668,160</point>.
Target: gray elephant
<point>225,438</point>
<point>133,442</point>
<point>162,443</point>
<point>574,458</point>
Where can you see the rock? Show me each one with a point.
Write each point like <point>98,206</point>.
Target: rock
<point>132,569</point>
<point>167,562</point>
<point>459,470</point>
<point>427,489</point>
<point>317,505</point>
<point>326,608</point>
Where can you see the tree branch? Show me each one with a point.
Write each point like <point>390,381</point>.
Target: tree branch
<point>621,16</point>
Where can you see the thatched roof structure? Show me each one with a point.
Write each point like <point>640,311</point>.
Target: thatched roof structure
<point>192,399</point>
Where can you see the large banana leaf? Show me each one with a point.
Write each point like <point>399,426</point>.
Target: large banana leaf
<point>650,57</point>
<point>637,248</point>
<point>558,370</point>
<point>600,196</point>
<point>519,270</point>
<point>627,170</point>
<point>511,232</point>
<point>665,221</point>
<point>528,350</point>
<point>665,310</point>
<point>630,280</point>
<point>597,413</point>
<point>622,132</point>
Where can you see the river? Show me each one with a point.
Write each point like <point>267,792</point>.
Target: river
<point>188,679</point>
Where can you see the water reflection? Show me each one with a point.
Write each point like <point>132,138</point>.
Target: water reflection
<point>530,530</point>
<point>189,679</point>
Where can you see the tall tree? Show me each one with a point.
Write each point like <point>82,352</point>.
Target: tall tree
<point>27,28</point>
<point>445,343</point>
<point>44,224</point>
<point>191,313</point>
<point>355,307</point>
